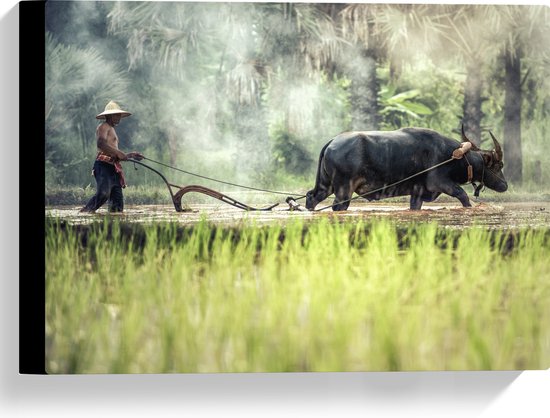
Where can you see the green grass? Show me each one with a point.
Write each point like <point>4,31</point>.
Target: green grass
<point>133,195</point>
<point>159,195</point>
<point>318,296</point>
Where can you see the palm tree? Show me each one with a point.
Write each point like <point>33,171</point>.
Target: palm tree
<point>281,53</point>
<point>443,33</point>
<point>238,50</point>
<point>174,46</point>
<point>466,37</point>
<point>395,33</point>
<point>519,32</point>
<point>78,82</point>
<point>298,42</point>
<point>359,28</point>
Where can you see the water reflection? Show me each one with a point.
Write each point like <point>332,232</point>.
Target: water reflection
<point>493,216</point>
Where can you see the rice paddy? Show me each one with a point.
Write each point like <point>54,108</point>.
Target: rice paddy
<point>306,295</point>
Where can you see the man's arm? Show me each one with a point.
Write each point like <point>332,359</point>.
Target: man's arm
<point>108,149</point>
<point>135,155</point>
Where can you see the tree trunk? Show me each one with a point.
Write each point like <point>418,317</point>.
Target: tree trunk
<point>512,117</point>
<point>364,92</point>
<point>472,113</point>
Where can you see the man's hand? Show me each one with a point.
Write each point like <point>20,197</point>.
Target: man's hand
<point>135,155</point>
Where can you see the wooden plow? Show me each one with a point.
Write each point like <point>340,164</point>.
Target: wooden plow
<point>181,191</point>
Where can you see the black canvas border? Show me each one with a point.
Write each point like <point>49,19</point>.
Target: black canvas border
<point>32,261</point>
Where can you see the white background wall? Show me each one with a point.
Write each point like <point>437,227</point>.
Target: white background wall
<point>485,394</point>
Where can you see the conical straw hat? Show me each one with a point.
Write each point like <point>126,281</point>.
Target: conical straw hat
<point>112,109</point>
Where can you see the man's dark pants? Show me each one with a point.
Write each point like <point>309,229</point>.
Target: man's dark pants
<point>107,188</point>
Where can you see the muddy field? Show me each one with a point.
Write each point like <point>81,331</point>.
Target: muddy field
<point>490,215</point>
<point>241,293</point>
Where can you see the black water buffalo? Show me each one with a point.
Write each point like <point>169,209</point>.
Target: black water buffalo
<point>361,162</point>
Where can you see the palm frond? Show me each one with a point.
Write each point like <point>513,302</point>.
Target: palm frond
<point>78,83</point>
<point>244,82</point>
<point>358,21</point>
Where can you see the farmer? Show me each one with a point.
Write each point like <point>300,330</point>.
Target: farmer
<point>107,168</point>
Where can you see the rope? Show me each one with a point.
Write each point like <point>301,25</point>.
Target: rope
<point>391,185</point>
<point>478,189</point>
<point>221,181</point>
<point>302,196</point>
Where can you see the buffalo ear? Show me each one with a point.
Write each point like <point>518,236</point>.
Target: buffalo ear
<point>487,158</point>
<point>466,139</point>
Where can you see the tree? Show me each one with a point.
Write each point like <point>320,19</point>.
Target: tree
<point>384,32</point>
<point>235,52</point>
<point>465,34</point>
<point>518,32</point>
<point>170,51</point>
<point>298,42</point>
<point>358,26</point>
<point>78,83</point>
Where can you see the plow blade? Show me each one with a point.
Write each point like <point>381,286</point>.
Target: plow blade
<point>217,195</point>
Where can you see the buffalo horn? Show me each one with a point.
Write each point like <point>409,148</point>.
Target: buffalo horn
<point>498,148</point>
<point>465,139</point>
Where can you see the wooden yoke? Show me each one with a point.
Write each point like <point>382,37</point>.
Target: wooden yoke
<point>464,148</point>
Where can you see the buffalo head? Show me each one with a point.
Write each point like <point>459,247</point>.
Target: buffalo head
<point>492,175</point>
<point>311,202</point>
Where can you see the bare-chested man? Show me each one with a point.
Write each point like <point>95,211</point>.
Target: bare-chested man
<point>107,169</point>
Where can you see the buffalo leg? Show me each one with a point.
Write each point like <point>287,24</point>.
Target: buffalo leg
<point>430,196</point>
<point>416,197</point>
<point>314,197</point>
<point>323,193</point>
<point>342,193</point>
<point>455,190</point>
<point>416,202</point>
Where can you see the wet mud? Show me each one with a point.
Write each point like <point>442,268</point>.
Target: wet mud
<point>499,216</point>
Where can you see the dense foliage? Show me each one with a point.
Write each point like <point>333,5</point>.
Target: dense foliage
<point>251,91</point>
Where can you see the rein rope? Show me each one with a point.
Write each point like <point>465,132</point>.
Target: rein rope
<point>477,188</point>
<point>455,156</point>
<point>481,186</point>
<point>221,181</point>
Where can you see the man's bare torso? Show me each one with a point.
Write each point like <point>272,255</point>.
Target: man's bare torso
<point>107,141</point>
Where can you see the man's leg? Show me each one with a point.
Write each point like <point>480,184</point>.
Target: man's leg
<point>116,200</point>
<point>103,187</point>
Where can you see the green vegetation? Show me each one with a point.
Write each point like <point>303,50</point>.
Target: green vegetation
<point>159,195</point>
<point>252,91</point>
<point>319,296</point>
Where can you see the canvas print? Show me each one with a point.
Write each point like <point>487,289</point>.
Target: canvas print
<point>296,187</point>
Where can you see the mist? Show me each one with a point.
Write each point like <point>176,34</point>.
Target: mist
<point>250,92</point>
